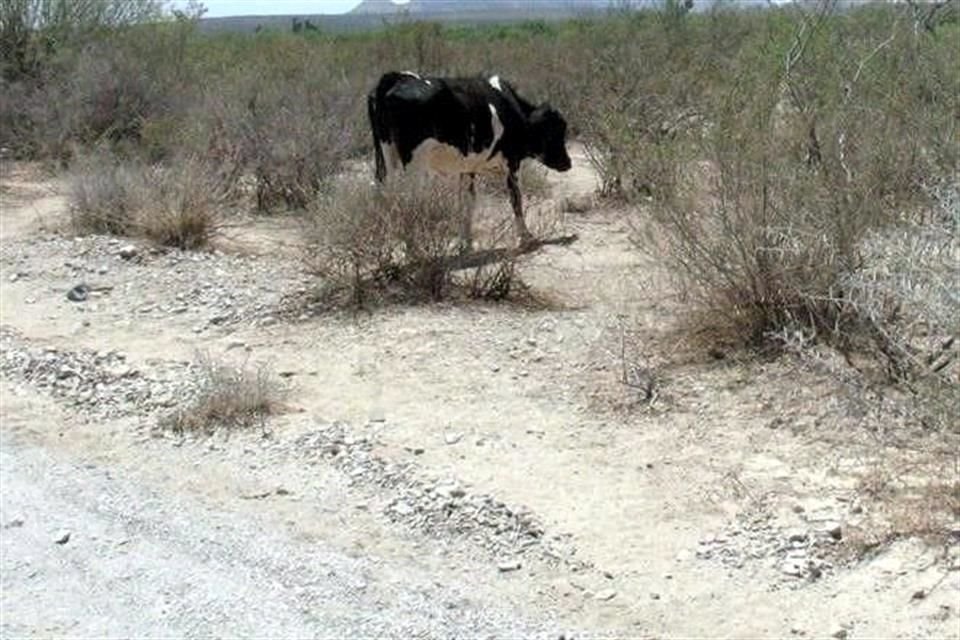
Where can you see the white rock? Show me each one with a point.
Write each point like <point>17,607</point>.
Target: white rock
<point>508,565</point>
<point>605,594</point>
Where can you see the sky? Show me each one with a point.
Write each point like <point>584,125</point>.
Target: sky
<point>217,8</point>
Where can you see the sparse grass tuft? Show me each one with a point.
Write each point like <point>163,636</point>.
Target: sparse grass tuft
<point>233,397</point>
<point>178,206</point>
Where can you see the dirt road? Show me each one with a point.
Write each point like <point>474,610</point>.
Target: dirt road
<point>89,551</point>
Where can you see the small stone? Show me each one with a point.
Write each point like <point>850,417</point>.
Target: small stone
<point>654,596</point>
<point>14,277</point>
<point>605,594</point>
<point>62,538</point>
<point>919,594</point>
<point>452,438</point>
<point>495,368</point>
<point>798,535</point>
<point>403,508</point>
<point>506,566</point>
<point>128,252</point>
<point>835,531</point>
<point>792,568</point>
<point>840,633</point>
<point>79,293</point>
<point>16,523</point>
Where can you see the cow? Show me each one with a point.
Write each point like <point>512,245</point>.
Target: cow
<point>461,127</point>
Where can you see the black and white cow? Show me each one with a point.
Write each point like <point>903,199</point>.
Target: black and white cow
<point>462,127</point>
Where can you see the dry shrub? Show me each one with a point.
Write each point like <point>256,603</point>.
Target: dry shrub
<point>765,231</point>
<point>288,123</point>
<point>896,509</point>
<point>906,290</point>
<point>178,206</point>
<point>399,240</point>
<point>228,396</point>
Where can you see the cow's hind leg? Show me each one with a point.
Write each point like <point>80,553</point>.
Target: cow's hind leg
<point>516,201</point>
<point>468,202</point>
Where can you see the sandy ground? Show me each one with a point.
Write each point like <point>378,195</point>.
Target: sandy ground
<point>682,513</point>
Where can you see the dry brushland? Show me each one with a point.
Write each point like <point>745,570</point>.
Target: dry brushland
<point>244,392</point>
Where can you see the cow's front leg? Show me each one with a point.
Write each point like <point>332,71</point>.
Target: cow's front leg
<point>516,201</point>
<point>468,202</point>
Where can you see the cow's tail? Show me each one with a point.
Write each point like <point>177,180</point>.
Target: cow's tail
<point>378,125</point>
<point>375,127</point>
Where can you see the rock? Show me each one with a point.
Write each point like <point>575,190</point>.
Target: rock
<point>919,594</point>
<point>834,530</point>
<point>128,252</point>
<point>403,508</point>
<point>798,535</point>
<point>792,568</point>
<point>840,633</point>
<point>580,203</point>
<point>14,277</point>
<point>563,587</point>
<point>62,538</point>
<point>16,523</point>
<point>605,594</point>
<point>79,293</point>
<point>654,596</point>
<point>452,438</point>
<point>506,566</point>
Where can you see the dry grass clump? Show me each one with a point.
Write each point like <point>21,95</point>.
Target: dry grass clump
<point>399,240</point>
<point>177,206</point>
<point>895,508</point>
<point>229,396</point>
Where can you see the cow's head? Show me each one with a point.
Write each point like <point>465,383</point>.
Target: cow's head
<point>549,133</point>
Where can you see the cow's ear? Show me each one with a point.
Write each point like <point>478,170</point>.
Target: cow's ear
<point>538,114</point>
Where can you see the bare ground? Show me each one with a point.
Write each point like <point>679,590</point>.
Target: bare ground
<point>725,504</point>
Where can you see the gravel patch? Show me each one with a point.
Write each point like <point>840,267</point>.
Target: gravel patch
<point>440,507</point>
<point>101,383</point>
<point>211,288</point>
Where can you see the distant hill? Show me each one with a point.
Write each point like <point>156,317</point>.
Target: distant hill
<point>371,14</point>
<point>504,8</point>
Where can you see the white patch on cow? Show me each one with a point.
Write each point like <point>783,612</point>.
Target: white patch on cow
<point>446,160</point>
<point>495,83</point>
<point>413,74</point>
<point>496,124</point>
